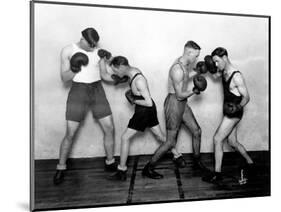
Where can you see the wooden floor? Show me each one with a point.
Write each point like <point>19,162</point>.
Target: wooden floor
<point>86,185</point>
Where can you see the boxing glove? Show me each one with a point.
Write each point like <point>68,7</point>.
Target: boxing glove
<point>230,108</point>
<point>118,80</point>
<point>200,84</point>
<point>210,64</point>
<point>201,67</point>
<point>102,53</point>
<point>130,96</point>
<point>77,60</point>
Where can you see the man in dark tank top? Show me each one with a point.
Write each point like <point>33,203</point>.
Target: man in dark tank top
<point>236,97</point>
<point>144,117</point>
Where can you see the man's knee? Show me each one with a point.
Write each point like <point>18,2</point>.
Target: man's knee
<point>70,133</point>
<point>125,137</point>
<point>71,129</point>
<point>161,137</point>
<point>233,143</point>
<point>217,139</point>
<point>197,132</point>
<point>68,139</point>
<point>170,143</point>
<point>108,129</point>
<point>171,138</point>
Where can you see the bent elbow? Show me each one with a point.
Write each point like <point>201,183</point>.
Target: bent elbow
<point>63,79</point>
<point>178,95</point>
<point>248,98</point>
<point>149,103</point>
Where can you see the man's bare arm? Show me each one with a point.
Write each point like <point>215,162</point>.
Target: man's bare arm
<point>177,79</point>
<point>242,88</point>
<point>141,86</point>
<point>65,71</point>
<point>105,70</point>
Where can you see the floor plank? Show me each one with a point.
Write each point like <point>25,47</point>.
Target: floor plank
<point>86,184</point>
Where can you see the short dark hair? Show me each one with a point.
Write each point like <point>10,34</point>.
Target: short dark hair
<point>220,52</point>
<point>192,44</point>
<point>119,60</point>
<point>91,35</point>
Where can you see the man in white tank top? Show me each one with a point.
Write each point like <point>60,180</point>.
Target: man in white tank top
<point>80,64</point>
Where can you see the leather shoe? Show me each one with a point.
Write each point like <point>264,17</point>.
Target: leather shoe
<point>149,172</point>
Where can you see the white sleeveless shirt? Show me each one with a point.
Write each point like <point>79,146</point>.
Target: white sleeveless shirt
<point>91,72</point>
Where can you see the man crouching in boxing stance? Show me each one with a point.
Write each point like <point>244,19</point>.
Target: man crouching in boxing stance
<point>236,97</point>
<point>145,115</point>
<point>176,109</point>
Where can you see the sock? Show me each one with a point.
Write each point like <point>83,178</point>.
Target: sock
<point>108,162</point>
<point>122,168</point>
<point>61,166</point>
<point>177,156</point>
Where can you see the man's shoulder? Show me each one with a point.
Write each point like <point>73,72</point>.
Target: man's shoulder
<point>135,69</point>
<point>176,70</point>
<point>236,73</point>
<point>237,77</point>
<point>67,49</point>
<point>176,67</point>
<point>140,80</point>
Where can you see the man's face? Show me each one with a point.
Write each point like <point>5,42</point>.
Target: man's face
<point>193,55</point>
<point>220,62</point>
<point>86,45</point>
<point>118,70</point>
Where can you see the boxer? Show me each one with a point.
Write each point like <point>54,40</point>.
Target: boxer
<point>236,97</point>
<point>145,115</point>
<point>177,110</point>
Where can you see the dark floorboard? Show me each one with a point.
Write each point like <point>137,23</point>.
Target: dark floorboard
<point>86,184</point>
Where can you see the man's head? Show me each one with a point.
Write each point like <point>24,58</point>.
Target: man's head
<point>119,65</point>
<point>192,51</point>
<point>220,57</point>
<point>90,38</point>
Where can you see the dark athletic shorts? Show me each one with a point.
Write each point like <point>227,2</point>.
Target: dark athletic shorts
<point>83,97</point>
<point>238,114</point>
<point>144,117</point>
<point>174,111</point>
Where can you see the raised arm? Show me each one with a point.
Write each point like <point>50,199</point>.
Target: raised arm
<point>107,74</point>
<point>65,71</point>
<point>105,70</point>
<point>177,79</point>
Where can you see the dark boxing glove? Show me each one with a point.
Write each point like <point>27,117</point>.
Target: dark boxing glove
<point>118,80</point>
<point>201,67</point>
<point>230,108</point>
<point>102,53</point>
<point>200,84</point>
<point>130,96</point>
<point>77,60</point>
<point>210,64</point>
